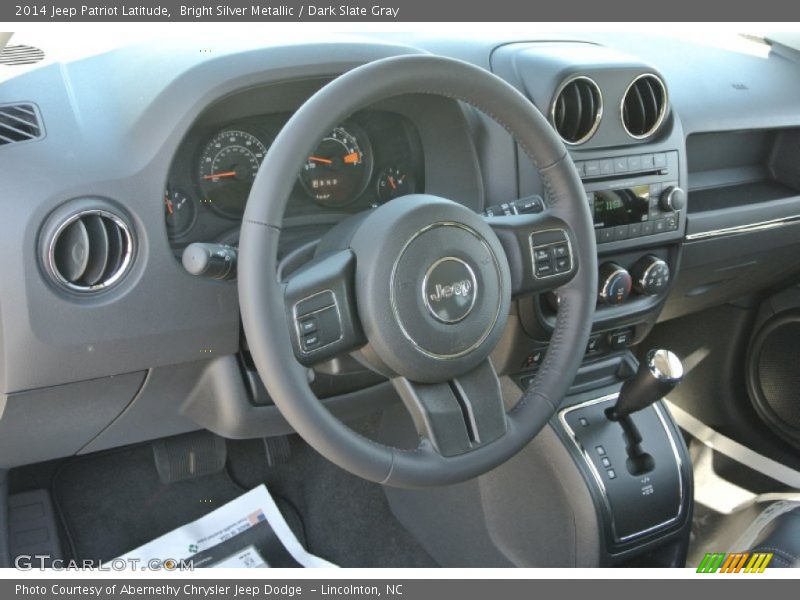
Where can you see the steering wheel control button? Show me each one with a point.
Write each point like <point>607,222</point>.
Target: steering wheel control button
<point>317,321</point>
<point>310,342</point>
<point>308,325</point>
<point>551,253</point>
<point>449,290</point>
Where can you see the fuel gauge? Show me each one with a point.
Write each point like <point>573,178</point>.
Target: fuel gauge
<point>394,182</point>
<point>179,213</point>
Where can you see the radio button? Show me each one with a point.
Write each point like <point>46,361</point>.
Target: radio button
<point>634,230</point>
<point>671,222</point>
<point>605,235</point>
<point>660,226</point>
<point>647,227</point>
<point>655,191</point>
<point>621,232</point>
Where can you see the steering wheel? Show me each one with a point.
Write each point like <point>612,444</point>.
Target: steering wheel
<point>418,289</point>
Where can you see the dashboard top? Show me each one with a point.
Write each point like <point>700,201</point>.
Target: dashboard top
<point>119,130</point>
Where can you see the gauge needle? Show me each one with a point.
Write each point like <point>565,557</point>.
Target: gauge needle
<point>218,175</point>
<point>168,202</point>
<point>319,159</point>
<point>351,158</point>
<point>392,183</point>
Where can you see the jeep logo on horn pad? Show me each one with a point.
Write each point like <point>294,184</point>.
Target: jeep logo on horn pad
<point>449,290</point>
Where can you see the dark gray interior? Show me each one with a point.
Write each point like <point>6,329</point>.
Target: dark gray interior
<point>125,193</point>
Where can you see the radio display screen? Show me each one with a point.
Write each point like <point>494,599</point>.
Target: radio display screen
<point>621,207</point>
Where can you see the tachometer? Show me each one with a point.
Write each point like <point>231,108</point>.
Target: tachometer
<point>340,168</point>
<point>228,167</point>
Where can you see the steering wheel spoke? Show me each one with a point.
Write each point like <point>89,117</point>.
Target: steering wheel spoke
<point>459,415</point>
<point>321,308</point>
<point>540,249</point>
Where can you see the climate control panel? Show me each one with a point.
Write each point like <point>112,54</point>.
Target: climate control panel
<point>649,276</point>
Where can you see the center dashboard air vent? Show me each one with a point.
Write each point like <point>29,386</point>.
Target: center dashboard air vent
<point>577,109</point>
<point>644,106</point>
<point>87,250</point>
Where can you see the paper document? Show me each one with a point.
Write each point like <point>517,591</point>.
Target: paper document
<point>246,532</point>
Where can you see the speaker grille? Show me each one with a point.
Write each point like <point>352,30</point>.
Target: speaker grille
<point>778,371</point>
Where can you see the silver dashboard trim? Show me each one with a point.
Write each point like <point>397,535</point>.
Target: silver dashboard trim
<point>599,480</point>
<point>738,229</point>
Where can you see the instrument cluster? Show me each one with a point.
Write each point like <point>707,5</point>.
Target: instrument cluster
<point>373,157</point>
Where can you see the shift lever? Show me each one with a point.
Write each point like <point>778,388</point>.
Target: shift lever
<point>659,373</point>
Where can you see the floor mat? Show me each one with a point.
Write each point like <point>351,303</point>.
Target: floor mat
<point>113,502</point>
<point>347,519</point>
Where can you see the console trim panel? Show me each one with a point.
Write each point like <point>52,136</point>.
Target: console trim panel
<point>599,481</point>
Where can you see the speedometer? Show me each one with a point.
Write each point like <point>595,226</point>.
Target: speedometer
<point>228,166</point>
<point>340,168</point>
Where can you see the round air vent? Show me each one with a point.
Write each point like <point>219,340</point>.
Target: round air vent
<point>644,106</point>
<point>577,110</point>
<point>89,250</point>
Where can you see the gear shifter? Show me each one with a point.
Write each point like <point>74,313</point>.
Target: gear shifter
<point>659,373</point>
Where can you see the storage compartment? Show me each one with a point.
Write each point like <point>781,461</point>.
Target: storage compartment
<point>739,168</point>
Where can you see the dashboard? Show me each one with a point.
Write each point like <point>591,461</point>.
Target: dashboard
<point>370,159</point>
<point>154,160</point>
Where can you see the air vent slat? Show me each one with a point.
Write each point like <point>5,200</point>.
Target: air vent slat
<point>72,251</point>
<point>98,257</point>
<point>19,123</point>
<point>90,251</point>
<point>577,110</point>
<point>644,106</point>
<point>20,55</point>
<point>116,248</point>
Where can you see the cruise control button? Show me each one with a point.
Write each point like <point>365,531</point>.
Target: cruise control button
<point>541,254</point>
<point>544,269</point>
<point>563,264</point>
<point>308,326</point>
<point>561,251</point>
<point>310,341</point>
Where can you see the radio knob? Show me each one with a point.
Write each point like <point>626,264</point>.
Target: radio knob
<point>650,275</point>
<point>615,284</point>
<point>673,198</point>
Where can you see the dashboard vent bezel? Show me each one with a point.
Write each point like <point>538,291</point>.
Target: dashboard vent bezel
<point>661,113</point>
<point>583,134</point>
<point>21,54</point>
<point>117,249</point>
<point>20,122</point>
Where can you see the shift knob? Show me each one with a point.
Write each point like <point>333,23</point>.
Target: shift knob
<point>659,373</point>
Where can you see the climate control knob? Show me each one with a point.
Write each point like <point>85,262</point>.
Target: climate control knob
<point>672,198</point>
<point>614,284</point>
<point>650,275</point>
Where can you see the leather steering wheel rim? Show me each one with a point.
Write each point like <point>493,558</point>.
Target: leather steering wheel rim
<point>261,295</point>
